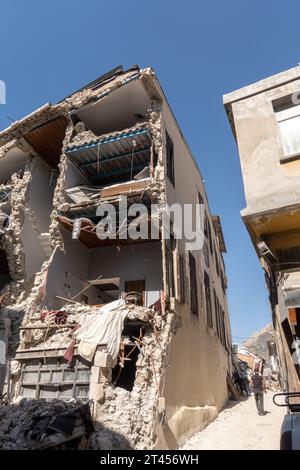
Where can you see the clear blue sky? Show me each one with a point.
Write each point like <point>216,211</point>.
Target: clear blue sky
<point>199,50</point>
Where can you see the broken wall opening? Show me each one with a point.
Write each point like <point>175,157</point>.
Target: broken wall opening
<point>123,376</point>
<point>116,110</point>
<point>111,140</point>
<point>101,273</point>
<point>13,162</point>
<point>67,275</point>
<point>138,267</point>
<point>47,140</point>
<point>4,269</point>
<point>113,158</point>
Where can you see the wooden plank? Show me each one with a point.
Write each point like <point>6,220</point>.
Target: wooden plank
<point>39,353</point>
<point>125,188</point>
<point>232,388</point>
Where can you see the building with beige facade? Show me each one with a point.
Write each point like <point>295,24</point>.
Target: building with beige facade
<point>136,327</point>
<point>265,121</point>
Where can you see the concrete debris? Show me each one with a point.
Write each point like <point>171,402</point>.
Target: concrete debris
<point>40,425</point>
<point>106,142</point>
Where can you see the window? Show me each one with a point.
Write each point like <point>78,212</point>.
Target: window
<point>220,321</point>
<point>182,278</point>
<point>200,198</point>
<point>208,299</point>
<point>223,281</point>
<point>223,330</point>
<point>170,159</point>
<point>216,302</point>
<point>136,291</point>
<point>170,248</point>
<point>288,119</point>
<point>207,232</point>
<point>54,379</point>
<point>206,225</point>
<point>206,253</point>
<point>193,285</point>
<point>217,262</point>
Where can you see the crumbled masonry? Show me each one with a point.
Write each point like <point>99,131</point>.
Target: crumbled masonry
<point>57,165</point>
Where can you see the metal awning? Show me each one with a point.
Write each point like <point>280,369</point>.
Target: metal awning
<point>120,155</point>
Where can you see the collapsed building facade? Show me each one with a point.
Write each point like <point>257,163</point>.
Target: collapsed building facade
<point>137,328</point>
<point>265,118</point>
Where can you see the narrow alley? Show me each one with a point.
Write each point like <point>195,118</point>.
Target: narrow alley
<point>239,427</point>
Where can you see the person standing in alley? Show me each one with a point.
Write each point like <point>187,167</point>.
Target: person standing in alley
<point>258,390</point>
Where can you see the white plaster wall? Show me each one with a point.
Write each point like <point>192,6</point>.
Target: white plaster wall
<point>34,254</point>
<point>67,267</point>
<point>73,177</point>
<point>41,194</point>
<point>37,212</point>
<point>268,183</point>
<point>130,263</point>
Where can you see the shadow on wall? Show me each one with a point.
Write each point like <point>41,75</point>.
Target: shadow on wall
<point>55,425</point>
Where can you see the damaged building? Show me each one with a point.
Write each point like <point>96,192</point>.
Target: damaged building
<point>265,118</point>
<point>136,329</point>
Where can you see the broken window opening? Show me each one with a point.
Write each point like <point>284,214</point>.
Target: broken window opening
<point>124,376</point>
<point>115,230</point>
<point>5,277</point>
<point>154,159</point>
<point>116,109</point>
<point>124,373</point>
<point>114,158</point>
<point>12,165</point>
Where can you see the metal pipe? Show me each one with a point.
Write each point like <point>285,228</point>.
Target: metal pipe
<point>77,227</point>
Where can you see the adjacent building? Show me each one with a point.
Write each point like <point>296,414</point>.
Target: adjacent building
<point>265,121</point>
<point>153,350</point>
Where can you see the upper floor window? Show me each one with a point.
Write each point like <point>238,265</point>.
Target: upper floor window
<point>200,198</point>
<point>288,119</point>
<point>208,299</point>
<point>193,284</point>
<point>182,278</point>
<point>170,159</point>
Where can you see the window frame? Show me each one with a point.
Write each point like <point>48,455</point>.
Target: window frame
<point>194,304</point>
<point>208,304</point>
<point>283,111</point>
<point>170,160</point>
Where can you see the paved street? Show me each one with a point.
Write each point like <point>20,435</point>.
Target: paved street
<point>239,427</point>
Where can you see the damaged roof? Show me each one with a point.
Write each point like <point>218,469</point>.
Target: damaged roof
<point>48,111</point>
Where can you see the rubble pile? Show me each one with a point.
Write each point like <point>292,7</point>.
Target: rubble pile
<point>35,424</point>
